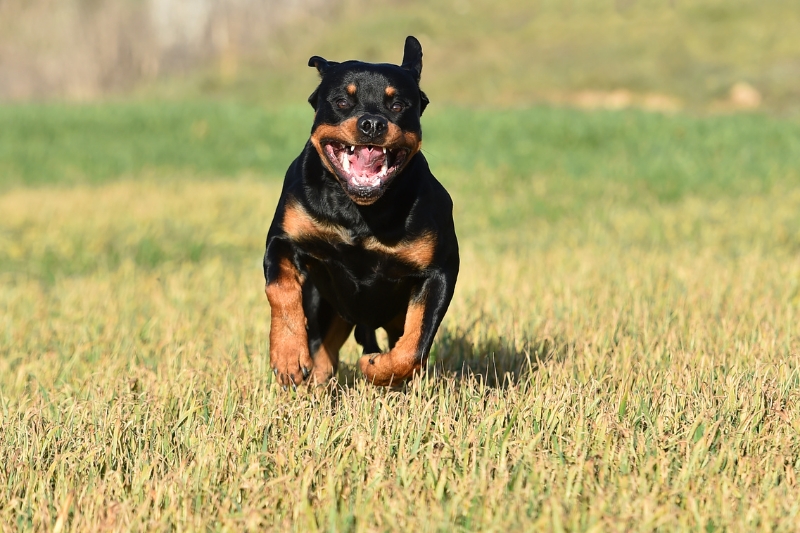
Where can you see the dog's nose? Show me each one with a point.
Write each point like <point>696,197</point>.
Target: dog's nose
<point>372,126</point>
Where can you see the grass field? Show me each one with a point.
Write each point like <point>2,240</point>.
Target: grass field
<point>622,353</point>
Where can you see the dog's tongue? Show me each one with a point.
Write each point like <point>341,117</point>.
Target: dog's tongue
<point>366,161</point>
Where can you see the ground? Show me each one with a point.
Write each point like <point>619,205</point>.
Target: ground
<point>621,353</point>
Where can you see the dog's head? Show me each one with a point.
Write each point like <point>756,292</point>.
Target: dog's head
<point>366,123</point>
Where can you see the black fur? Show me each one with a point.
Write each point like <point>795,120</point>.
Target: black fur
<point>366,287</point>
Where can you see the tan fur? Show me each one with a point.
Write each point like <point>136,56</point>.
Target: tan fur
<point>397,138</point>
<point>418,252</point>
<point>401,362</point>
<point>288,340</point>
<point>345,133</point>
<point>394,329</point>
<point>326,359</point>
<point>300,226</point>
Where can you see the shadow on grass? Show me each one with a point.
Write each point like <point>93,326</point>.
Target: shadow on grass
<point>496,362</point>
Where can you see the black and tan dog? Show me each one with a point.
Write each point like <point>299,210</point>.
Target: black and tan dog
<point>363,234</point>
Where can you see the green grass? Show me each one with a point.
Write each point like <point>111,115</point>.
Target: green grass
<point>44,144</point>
<point>664,156</point>
<point>621,353</point>
<point>507,166</point>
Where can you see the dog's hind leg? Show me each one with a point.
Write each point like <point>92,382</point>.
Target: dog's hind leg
<point>410,352</point>
<point>365,336</point>
<point>394,329</point>
<point>327,332</point>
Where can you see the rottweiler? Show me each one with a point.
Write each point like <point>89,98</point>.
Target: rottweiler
<point>363,235</point>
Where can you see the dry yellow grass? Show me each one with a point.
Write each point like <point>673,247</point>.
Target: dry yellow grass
<point>634,369</point>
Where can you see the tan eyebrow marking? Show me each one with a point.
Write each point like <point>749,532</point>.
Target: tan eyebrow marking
<point>351,89</point>
<point>390,91</point>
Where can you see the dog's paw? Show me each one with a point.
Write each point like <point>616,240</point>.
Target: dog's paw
<point>321,376</point>
<point>385,370</point>
<point>291,365</point>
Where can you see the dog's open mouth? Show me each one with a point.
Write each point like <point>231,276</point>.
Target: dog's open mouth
<point>365,169</point>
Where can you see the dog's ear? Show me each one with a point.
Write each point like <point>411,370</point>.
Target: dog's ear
<point>412,62</point>
<point>321,64</point>
<point>412,57</point>
<point>423,102</point>
<point>313,98</point>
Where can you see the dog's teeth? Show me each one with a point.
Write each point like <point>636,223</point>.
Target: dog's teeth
<point>352,149</point>
<point>384,151</point>
<point>346,163</point>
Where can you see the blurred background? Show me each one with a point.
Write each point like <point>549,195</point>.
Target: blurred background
<point>663,55</point>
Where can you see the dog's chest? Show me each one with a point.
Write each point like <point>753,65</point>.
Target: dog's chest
<point>365,281</point>
<point>368,259</point>
<point>358,255</point>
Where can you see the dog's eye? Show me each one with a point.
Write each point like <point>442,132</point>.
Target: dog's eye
<point>396,107</point>
<point>342,103</point>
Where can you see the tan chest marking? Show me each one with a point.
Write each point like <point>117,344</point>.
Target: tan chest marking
<point>418,252</point>
<point>301,226</point>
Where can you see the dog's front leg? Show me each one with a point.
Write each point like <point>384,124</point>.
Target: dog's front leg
<point>424,314</point>
<point>288,338</point>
